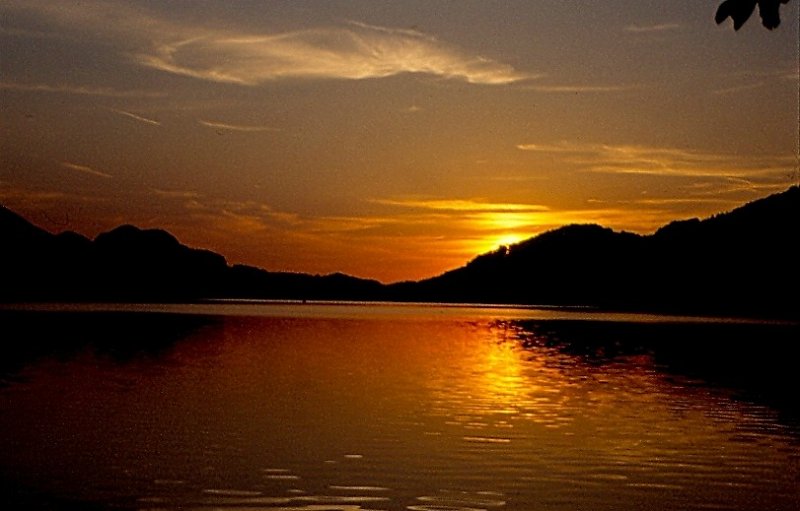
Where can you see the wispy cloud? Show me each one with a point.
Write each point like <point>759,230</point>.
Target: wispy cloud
<point>136,117</point>
<point>737,188</point>
<point>85,169</point>
<point>464,205</point>
<point>257,213</point>
<point>792,75</point>
<point>350,51</point>
<point>390,30</point>
<point>664,161</point>
<point>355,52</point>
<point>660,27</point>
<point>559,147</point>
<point>742,81</point>
<point>235,127</point>
<point>176,194</point>
<point>739,88</point>
<point>578,88</point>
<point>692,201</point>
<point>80,90</point>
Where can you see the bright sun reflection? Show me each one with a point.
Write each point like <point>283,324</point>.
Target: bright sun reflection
<point>510,383</point>
<point>503,375</point>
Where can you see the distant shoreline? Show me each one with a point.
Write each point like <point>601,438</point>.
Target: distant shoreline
<point>359,309</point>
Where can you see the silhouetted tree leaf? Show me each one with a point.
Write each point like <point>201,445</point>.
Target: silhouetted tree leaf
<point>741,10</point>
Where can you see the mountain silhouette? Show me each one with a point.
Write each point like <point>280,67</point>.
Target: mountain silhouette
<point>132,264</point>
<point>740,262</point>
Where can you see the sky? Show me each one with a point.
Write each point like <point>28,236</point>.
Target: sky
<point>391,140</point>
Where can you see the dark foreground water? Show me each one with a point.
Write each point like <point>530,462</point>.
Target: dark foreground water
<point>343,407</point>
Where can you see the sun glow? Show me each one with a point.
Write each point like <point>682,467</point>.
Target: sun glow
<point>508,239</point>
<point>492,242</point>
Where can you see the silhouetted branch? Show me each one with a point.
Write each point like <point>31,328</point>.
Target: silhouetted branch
<point>741,10</point>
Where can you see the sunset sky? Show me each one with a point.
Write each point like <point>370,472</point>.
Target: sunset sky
<point>388,139</point>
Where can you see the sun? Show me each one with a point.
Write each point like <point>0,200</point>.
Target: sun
<point>507,239</point>
<point>494,242</point>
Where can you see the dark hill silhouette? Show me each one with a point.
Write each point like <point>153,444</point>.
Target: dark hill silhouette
<point>32,260</point>
<point>741,262</point>
<point>569,265</point>
<point>255,282</point>
<point>132,264</point>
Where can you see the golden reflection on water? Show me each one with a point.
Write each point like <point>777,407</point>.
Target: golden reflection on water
<point>437,412</point>
<point>499,381</point>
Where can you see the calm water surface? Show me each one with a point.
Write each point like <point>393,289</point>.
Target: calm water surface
<point>312,407</point>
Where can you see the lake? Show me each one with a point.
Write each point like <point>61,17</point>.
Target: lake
<point>316,407</point>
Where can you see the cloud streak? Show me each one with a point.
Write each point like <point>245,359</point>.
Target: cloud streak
<point>738,88</point>
<point>80,90</point>
<point>660,27</point>
<point>574,89</point>
<point>752,80</point>
<point>664,161</point>
<point>176,194</point>
<point>461,205</point>
<point>136,117</point>
<point>85,170</point>
<point>236,127</point>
